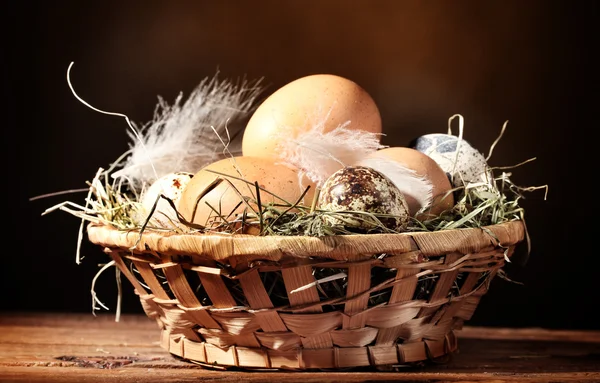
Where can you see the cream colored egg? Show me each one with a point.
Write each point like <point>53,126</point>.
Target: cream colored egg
<point>208,207</point>
<point>168,187</point>
<point>424,166</point>
<point>304,103</point>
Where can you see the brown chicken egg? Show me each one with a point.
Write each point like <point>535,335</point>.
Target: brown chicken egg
<point>424,166</point>
<point>324,100</point>
<point>363,189</point>
<point>276,179</point>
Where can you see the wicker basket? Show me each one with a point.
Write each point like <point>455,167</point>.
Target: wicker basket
<point>191,284</point>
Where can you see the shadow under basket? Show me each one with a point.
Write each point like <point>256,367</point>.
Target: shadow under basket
<point>305,303</point>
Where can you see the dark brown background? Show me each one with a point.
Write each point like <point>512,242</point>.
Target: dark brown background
<point>529,62</point>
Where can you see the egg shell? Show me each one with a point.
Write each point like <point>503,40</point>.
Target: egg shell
<point>304,103</point>
<point>427,167</point>
<point>360,188</point>
<point>170,186</point>
<point>462,163</point>
<point>276,178</point>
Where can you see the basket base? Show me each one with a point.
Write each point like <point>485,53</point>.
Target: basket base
<point>335,358</point>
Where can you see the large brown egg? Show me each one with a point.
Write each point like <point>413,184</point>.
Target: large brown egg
<point>426,167</point>
<point>280,182</point>
<point>363,189</point>
<point>309,101</point>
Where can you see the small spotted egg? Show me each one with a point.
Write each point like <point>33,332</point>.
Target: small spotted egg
<point>363,189</point>
<point>170,186</point>
<point>462,163</point>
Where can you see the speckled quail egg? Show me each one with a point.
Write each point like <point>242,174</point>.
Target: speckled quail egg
<point>462,163</point>
<point>363,189</point>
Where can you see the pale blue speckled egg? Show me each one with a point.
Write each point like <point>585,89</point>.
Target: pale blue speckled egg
<point>462,163</point>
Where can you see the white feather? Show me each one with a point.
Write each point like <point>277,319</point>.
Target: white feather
<point>319,154</point>
<point>405,179</point>
<point>185,137</point>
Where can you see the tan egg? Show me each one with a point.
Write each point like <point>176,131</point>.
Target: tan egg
<point>424,166</point>
<point>304,103</point>
<point>275,178</point>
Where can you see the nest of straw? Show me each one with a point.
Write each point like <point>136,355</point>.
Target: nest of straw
<point>303,293</point>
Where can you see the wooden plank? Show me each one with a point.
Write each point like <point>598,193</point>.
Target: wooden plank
<point>165,375</point>
<point>80,347</point>
<point>524,334</point>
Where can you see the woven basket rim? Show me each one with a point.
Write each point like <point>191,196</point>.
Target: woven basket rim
<point>214,327</point>
<point>340,247</point>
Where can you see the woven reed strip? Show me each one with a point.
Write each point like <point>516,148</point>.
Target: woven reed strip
<point>116,257</point>
<point>276,248</point>
<point>444,284</point>
<point>469,305</point>
<point>258,298</point>
<point>467,310</point>
<point>359,281</point>
<point>401,260</point>
<point>302,359</point>
<point>293,279</point>
<point>284,340</point>
<point>180,323</point>
<point>217,290</point>
<point>358,337</point>
<point>469,240</point>
<point>147,274</point>
<point>180,287</point>
<point>468,285</point>
<point>222,338</point>
<point>401,292</point>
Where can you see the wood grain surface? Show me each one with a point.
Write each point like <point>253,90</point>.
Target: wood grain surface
<point>47,347</point>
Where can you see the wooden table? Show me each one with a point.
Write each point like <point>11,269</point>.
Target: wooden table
<point>45,347</point>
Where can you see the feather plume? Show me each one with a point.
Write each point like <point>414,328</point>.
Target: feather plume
<point>186,136</point>
<point>318,154</point>
<point>405,179</point>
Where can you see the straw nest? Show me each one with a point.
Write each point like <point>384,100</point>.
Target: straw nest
<point>304,294</point>
<point>290,300</point>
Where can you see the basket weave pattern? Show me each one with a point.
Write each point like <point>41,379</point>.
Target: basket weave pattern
<point>189,283</point>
